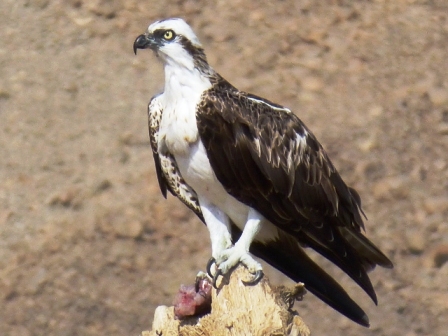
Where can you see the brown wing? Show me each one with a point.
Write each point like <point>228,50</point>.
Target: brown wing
<point>267,158</point>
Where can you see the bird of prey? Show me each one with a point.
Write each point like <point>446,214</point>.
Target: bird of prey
<point>254,174</point>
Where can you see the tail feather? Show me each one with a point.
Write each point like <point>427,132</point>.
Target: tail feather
<point>365,248</point>
<point>349,262</point>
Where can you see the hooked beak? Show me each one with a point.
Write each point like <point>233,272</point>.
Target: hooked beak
<point>143,42</point>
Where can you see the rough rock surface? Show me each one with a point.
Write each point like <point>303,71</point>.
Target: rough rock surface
<point>258,310</point>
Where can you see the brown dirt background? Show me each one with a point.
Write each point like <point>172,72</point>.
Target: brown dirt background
<point>88,246</point>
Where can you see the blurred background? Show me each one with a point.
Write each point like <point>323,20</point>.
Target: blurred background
<point>88,245</point>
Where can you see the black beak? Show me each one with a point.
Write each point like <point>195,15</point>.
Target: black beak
<point>142,42</point>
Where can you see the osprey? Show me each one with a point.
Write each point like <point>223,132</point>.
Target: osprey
<point>254,174</point>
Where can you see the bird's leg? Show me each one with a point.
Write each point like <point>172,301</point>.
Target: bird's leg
<point>219,229</point>
<point>230,257</point>
<point>224,255</point>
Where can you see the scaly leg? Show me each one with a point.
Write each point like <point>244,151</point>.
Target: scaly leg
<point>224,255</point>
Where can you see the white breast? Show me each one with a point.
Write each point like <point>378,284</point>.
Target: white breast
<point>183,90</point>
<point>198,173</point>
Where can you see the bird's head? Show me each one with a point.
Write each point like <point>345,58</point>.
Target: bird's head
<point>174,41</point>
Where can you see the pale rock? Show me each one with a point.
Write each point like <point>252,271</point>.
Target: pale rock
<point>82,21</point>
<point>442,129</point>
<point>376,111</point>
<point>36,281</point>
<point>102,186</point>
<point>19,331</point>
<point>108,9</point>
<point>4,94</point>
<point>440,164</point>
<point>436,257</point>
<point>435,204</point>
<point>69,198</point>
<point>440,255</point>
<point>121,223</point>
<point>312,83</point>
<point>438,96</point>
<point>416,241</point>
<point>128,228</point>
<point>311,61</point>
<point>368,144</point>
<point>389,188</point>
<point>121,249</point>
<point>256,16</point>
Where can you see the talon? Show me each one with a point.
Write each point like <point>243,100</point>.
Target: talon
<point>257,277</point>
<point>201,276</point>
<point>210,263</point>
<point>215,277</point>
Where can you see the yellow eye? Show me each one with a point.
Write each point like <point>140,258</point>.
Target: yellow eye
<point>168,35</point>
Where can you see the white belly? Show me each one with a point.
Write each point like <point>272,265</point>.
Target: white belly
<point>198,173</point>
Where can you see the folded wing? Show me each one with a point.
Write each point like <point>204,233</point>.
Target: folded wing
<point>267,158</point>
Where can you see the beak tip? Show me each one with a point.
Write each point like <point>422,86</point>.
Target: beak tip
<point>141,42</point>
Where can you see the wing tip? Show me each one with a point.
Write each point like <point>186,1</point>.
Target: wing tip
<point>387,263</point>
<point>364,321</point>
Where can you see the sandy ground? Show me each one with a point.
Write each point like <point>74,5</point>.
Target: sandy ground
<point>88,246</point>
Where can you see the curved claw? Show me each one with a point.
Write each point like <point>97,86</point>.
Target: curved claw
<point>257,277</point>
<point>197,281</point>
<point>210,263</point>
<point>215,277</point>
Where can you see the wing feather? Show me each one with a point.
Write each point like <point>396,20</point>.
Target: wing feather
<point>168,174</point>
<point>268,159</point>
<point>154,118</point>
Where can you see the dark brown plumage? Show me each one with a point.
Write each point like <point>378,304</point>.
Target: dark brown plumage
<point>267,158</point>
